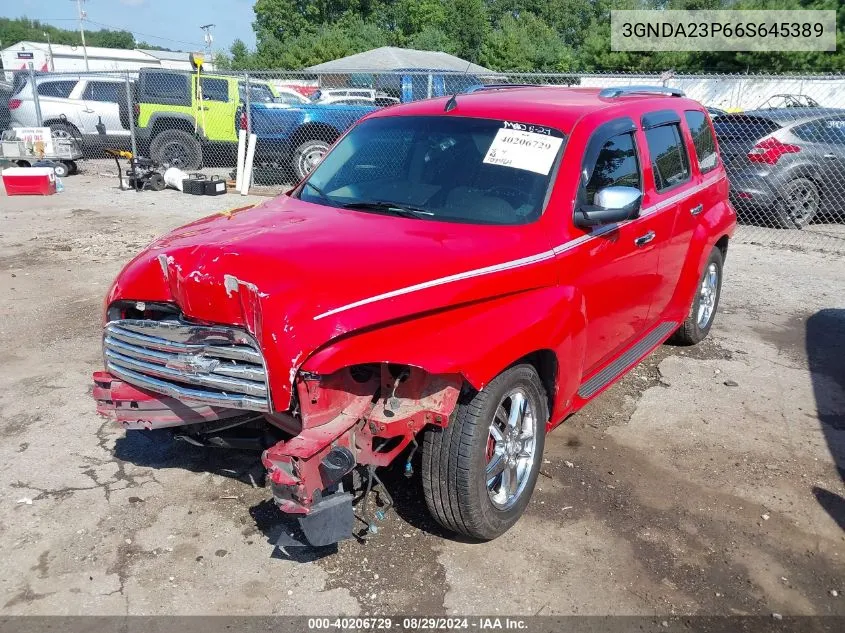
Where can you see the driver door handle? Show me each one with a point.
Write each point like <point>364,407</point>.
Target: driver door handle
<point>642,240</point>
<point>697,209</point>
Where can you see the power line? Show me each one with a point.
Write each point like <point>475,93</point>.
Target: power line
<point>134,32</point>
<point>118,28</point>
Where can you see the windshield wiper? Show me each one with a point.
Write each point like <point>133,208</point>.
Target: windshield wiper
<point>318,191</point>
<point>402,210</point>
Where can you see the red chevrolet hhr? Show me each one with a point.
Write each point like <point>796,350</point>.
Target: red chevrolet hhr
<point>452,280</point>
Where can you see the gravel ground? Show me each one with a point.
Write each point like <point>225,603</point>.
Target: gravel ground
<point>704,482</point>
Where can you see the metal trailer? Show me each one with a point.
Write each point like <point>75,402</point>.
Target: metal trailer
<point>66,152</point>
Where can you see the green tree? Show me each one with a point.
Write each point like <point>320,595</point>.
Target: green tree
<point>415,16</point>
<point>433,39</point>
<point>468,25</point>
<point>110,39</point>
<point>241,57</point>
<point>17,30</point>
<point>525,43</point>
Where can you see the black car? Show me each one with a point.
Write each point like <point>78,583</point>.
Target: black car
<point>785,166</point>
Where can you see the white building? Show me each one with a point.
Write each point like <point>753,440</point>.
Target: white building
<point>64,58</point>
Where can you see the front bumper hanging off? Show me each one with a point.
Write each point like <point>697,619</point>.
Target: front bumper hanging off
<point>342,427</point>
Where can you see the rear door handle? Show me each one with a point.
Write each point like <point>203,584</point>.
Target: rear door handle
<point>697,209</point>
<point>203,108</point>
<point>830,155</point>
<point>642,240</point>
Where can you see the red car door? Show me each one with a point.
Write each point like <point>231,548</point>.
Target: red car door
<point>673,199</point>
<point>614,266</point>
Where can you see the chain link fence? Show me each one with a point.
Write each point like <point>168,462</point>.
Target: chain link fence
<point>782,138</point>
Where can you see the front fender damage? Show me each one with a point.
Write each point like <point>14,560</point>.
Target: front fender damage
<point>362,416</point>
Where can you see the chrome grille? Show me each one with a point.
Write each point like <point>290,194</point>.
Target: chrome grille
<point>214,365</point>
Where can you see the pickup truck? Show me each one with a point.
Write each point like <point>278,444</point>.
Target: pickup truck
<point>301,134</point>
<point>181,118</point>
<point>454,279</point>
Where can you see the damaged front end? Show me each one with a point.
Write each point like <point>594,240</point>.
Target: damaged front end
<point>209,384</point>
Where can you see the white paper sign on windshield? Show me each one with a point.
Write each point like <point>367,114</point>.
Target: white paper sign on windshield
<point>523,150</point>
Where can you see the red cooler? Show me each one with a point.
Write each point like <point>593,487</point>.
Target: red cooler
<point>29,181</point>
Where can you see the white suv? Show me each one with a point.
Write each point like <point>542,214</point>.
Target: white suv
<point>90,108</point>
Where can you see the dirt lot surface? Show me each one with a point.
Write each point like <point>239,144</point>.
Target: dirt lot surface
<point>705,482</point>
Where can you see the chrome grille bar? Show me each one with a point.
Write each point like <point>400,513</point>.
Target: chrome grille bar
<point>214,365</point>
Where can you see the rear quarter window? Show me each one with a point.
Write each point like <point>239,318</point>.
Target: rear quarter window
<point>57,89</point>
<point>741,128</point>
<point>702,139</point>
<point>669,159</point>
<point>166,87</point>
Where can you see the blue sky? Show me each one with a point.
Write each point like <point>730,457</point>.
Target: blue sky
<point>177,20</point>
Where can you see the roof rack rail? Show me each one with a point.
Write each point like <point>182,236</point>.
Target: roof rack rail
<point>501,87</point>
<point>621,91</point>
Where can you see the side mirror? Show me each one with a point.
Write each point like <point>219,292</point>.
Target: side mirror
<point>611,204</point>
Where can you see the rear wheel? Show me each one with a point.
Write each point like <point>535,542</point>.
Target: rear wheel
<point>799,204</point>
<point>177,148</point>
<point>479,472</point>
<point>63,130</point>
<point>703,310</point>
<point>73,168</point>
<point>307,155</point>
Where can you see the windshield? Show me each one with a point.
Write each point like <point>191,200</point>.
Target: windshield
<point>457,169</point>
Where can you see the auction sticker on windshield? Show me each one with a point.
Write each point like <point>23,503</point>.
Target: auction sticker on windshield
<point>523,150</point>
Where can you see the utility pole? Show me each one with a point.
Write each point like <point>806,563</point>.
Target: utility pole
<point>82,30</point>
<point>209,39</point>
<point>50,52</point>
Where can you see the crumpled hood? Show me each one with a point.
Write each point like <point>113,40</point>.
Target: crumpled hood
<point>298,275</point>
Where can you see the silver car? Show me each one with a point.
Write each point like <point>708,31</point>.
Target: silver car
<point>89,108</point>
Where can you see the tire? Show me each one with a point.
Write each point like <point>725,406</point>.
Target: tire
<point>61,170</point>
<point>65,130</point>
<point>177,148</point>
<point>455,459</point>
<point>307,155</point>
<point>73,168</point>
<point>156,182</point>
<point>701,316</point>
<point>799,204</point>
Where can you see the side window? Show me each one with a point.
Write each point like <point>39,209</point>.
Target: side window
<point>167,85</point>
<point>104,91</point>
<point>702,139</point>
<point>617,164</point>
<point>59,89</point>
<point>669,159</point>
<point>214,89</point>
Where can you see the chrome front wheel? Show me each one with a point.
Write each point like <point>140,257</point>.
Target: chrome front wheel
<point>510,449</point>
<point>480,470</point>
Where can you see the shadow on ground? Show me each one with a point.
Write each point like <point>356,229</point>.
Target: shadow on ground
<point>157,449</point>
<point>825,344</point>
